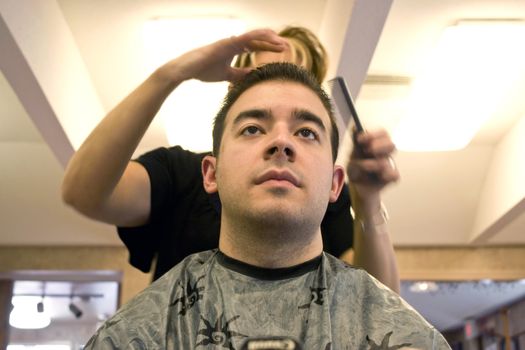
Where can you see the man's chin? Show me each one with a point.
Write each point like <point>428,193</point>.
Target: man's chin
<point>282,214</point>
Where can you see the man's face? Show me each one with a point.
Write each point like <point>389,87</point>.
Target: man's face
<point>275,159</point>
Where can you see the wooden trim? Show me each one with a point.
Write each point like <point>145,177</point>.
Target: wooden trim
<point>461,263</point>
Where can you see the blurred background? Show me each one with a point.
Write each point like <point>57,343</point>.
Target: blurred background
<point>445,78</point>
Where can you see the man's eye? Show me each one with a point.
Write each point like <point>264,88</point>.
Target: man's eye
<point>308,134</point>
<point>251,130</point>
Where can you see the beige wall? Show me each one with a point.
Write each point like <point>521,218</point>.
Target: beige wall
<point>452,263</point>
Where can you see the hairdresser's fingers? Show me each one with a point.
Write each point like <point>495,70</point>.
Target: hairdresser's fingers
<point>259,45</point>
<point>236,74</point>
<point>374,171</point>
<point>256,40</point>
<point>213,62</point>
<point>374,144</point>
<point>259,40</point>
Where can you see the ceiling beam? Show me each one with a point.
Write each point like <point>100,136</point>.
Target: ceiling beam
<point>42,63</point>
<point>351,30</point>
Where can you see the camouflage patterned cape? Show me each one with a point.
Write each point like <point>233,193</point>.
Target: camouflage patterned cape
<point>210,301</point>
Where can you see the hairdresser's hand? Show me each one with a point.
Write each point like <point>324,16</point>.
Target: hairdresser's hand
<point>371,165</point>
<point>213,62</point>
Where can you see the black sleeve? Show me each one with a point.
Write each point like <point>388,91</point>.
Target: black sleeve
<point>337,227</point>
<point>171,172</point>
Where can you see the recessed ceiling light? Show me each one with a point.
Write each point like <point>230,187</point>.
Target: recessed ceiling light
<point>423,287</point>
<point>472,68</point>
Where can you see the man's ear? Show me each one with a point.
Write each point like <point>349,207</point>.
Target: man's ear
<point>209,170</point>
<point>338,180</point>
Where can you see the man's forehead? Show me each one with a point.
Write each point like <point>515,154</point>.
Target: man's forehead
<point>269,95</point>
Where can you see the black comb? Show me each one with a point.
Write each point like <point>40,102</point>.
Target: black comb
<point>344,104</point>
<point>345,108</point>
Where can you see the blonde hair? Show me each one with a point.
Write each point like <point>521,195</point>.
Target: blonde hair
<point>306,50</point>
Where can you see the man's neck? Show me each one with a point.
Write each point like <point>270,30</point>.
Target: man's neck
<point>268,248</point>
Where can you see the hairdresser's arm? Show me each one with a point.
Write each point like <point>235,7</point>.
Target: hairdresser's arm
<point>373,249</point>
<point>100,181</point>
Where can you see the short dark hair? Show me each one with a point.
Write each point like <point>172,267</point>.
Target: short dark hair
<point>281,71</point>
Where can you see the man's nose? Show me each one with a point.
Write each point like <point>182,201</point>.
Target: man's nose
<point>281,146</point>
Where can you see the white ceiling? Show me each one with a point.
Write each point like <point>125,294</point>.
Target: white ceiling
<point>66,63</point>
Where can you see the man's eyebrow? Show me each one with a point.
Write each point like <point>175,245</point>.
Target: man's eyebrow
<point>264,114</point>
<point>303,114</point>
<point>251,114</point>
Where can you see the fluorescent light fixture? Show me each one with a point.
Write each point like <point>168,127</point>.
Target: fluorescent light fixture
<point>25,315</point>
<point>486,281</point>
<point>189,111</point>
<point>471,70</point>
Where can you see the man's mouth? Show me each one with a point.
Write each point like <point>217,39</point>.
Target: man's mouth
<point>278,176</point>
